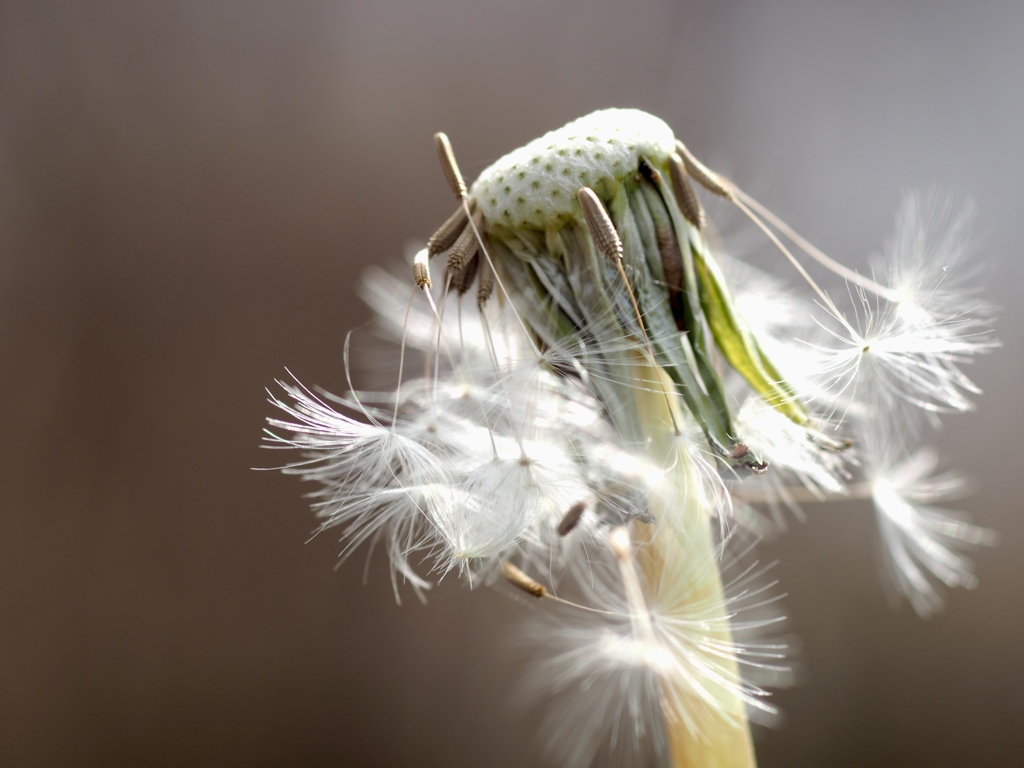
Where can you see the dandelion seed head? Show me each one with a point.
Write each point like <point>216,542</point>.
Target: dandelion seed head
<point>585,416</point>
<point>536,185</point>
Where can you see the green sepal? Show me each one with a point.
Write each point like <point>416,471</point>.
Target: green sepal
<point>692,365</point>
<point>731,334</point>
<point>735,340</point>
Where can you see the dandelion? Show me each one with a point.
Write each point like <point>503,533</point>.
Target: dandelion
<point>589,403</point>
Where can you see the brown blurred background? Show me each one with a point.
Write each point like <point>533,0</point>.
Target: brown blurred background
<point>188,193</point>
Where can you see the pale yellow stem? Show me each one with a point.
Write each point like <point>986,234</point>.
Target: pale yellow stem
<point>682,535</point>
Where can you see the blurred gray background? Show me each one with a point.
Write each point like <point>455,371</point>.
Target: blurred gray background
<point>189,191</point>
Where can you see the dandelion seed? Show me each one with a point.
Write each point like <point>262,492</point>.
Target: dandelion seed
<point>891,360</point>
<point>923,543</point>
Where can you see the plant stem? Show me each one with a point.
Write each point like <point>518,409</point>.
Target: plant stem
<point>682,535</point>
